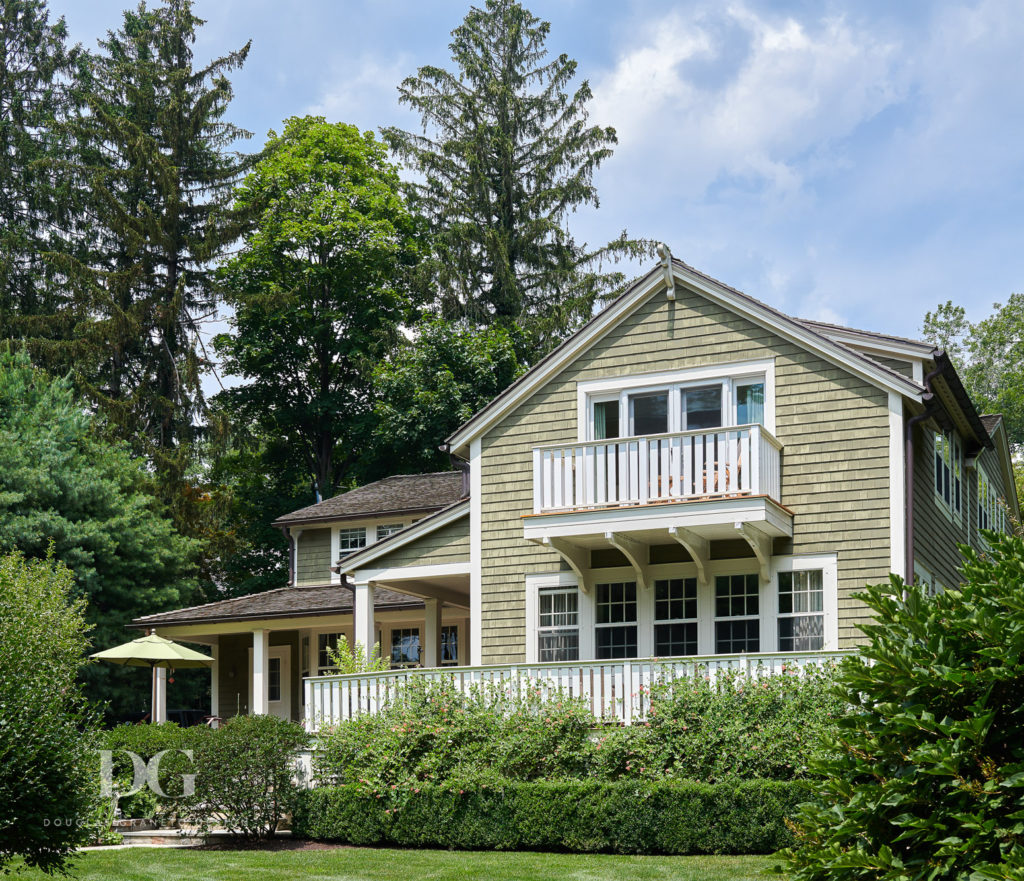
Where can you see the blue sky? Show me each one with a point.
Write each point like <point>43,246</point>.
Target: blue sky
<point>851,162</point>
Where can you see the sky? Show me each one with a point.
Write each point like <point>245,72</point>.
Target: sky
<point>851,162</point>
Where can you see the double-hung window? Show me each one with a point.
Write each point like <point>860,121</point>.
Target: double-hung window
<point>737,604</point>
<point>405,646</point>
<point>991,512</point>
<point>351,539</point>
<point>449,645</point>
<point>558,625</point>
<point>949,472</point>
<point>801,611</point>
<point>326,641</point>
<point>616,629</point>
<point>675,617</point>
<point>386,529</point>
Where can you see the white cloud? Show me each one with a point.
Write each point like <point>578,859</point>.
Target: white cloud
<point>363,91</point>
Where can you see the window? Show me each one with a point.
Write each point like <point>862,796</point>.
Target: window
<point>386,529</point>
<point>273,679</point>
<point>616,620</point>
<point>558,632</point>
<point>949,472</point>
<point>606,419</point>
<point>449,645</point>
<point>991,510</point>
<point>648,414</point>
<point>405,647</point>
<point>750,403</point>
<point>801,611</point>
<point>737,626</point>
<point>325,640</point>
<point>352,539</point>
<point>702,407</point>
<point>675,617</point>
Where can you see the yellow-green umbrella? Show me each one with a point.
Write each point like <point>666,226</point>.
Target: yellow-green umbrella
<point>156,653</point>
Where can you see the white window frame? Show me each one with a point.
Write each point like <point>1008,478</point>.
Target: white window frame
<point>584,613</point>
<point>636,623</point>
<point>990,505</point>
<point>656,620</point>
<point>829,566</point>
<point>717,619</point>
<point>344,532</point>
<point>730,375</point>
<point>780,616</point>
<point>952,443</point>
<point>383,530</point>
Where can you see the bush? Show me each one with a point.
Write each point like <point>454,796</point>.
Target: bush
<point>436,733</point>
<point>925,779</point>
<point>47,762</point>
<point>623,817</point>
<point>244,775</point>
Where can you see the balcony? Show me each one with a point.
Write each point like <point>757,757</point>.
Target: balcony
<point>615,692</point>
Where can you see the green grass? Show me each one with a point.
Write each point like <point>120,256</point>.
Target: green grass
<point>356,864</point>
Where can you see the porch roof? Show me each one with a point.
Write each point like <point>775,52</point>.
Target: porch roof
<point>284,602</point>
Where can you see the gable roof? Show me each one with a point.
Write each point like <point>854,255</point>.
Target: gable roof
<point>284,602</point>
<point>898,345</point>
<point>802,333</point>
<point>398,494</point>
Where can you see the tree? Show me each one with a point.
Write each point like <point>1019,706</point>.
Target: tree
<point>62,486</point>
<point>156,157</point>
<point>428,387</point>
<point>38,205</point>
<point>46,788</point>
<point>925,778</point>
<point>508,155</point>
<point>319,290</point>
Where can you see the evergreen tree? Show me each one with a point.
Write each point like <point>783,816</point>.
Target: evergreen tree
<point>505,155</point>
<point>157,159</point>
<point>38,205</point>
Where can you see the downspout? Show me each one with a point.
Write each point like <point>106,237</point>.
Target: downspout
<point>459,464</point>
<point>908,474</point>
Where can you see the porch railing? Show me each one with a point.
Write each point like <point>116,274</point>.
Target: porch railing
<point>615,691</point>
<point>686,466</point>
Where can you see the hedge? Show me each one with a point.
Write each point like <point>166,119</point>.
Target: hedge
<point>620,817</point>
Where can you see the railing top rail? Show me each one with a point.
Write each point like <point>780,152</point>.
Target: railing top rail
<point>699,432</point>
<point>698,660</point>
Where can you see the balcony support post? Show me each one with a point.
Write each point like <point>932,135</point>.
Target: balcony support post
<point>698,547</point>
<point>578,559</point>
<point>761,545</point>
<point>636,552</point>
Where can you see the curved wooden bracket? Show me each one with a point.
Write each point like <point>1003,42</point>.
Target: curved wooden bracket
<point>698,547</point>
<point>761,544</point>
<point>636,552</point>
<point>578,559</point>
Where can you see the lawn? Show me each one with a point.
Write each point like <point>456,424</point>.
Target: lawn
<point>356,864</point>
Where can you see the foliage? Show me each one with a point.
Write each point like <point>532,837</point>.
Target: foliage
<point>925,779</point>
<point>46,796</point>
<point>437,733</point>
<point>429,387</point>
<point>508,156</point>
<point>244,775</point>
<point>62,486</point>
<point>989,356</point>
<point>623,817</point>
<point>319,290</point>
<point>734,728</point>
<point>353,659</point>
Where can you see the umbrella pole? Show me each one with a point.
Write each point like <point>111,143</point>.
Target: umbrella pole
<point>153,695</point>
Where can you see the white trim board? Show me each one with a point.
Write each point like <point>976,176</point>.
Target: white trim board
<point>407,535</point>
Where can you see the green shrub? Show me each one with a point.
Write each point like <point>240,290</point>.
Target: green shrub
<point>47,762</point>
<point>244,775</point>
<point>736,727</point>
<point>925,779</point>
<point>623,817</point>
<point>436,733</point>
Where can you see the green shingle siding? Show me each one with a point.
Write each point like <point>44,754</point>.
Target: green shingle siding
<point>448,544</point>
<point>314,556</point>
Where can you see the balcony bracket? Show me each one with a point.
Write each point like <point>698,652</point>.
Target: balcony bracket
<point>637,553</point>
<point>761,545</point>
<point>578,559</point>
<point>698,547</point>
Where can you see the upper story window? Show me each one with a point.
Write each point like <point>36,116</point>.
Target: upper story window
<point>991,510</point>
<point>351,539</point>
<point>386,529</point>
<point>688,400</point>
<point>949,472</point>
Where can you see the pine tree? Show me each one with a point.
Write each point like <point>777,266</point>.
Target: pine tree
<point>505,155</point>
<point>38,207</point>
<point>157,159</point>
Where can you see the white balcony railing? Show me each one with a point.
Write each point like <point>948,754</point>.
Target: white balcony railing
<point>614,691</point>
<point>687,466</point>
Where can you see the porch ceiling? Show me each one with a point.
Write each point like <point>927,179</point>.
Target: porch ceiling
<point>450,589</point>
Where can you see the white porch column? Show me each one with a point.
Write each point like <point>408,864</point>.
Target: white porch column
<point>260,674</point>
<point>160,708</point>
<point>365,626</point>
<point>431,648</point>
<point>215,680</point>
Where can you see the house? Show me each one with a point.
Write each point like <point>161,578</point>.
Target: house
<point>693,474</point>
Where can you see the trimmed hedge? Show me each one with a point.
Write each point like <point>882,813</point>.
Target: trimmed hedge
<point>620,817</point>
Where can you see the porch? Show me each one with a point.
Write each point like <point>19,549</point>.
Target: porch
<point>616,692</point>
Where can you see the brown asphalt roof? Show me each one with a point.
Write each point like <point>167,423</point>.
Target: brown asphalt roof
<point>990,421</point>
<point>392,495</point>
<point>284,602</point>
<point>825,327</point>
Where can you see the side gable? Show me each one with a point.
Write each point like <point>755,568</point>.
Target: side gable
<point>446,531</point>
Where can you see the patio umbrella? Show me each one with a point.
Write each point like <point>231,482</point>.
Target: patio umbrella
<point>156,653</point>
